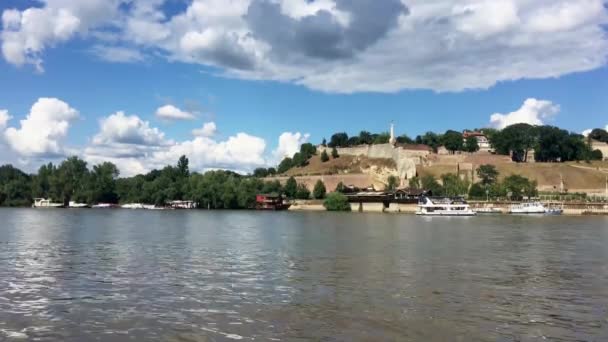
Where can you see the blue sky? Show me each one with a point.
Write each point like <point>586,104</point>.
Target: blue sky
<point>98,62</point>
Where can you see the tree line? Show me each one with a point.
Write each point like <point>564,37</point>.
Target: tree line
<point>513,187</point>
<point>549,143</point>
<point>73,180</point>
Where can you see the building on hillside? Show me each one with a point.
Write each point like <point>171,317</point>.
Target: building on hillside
<point>602,146</point>
<point>482,140</point>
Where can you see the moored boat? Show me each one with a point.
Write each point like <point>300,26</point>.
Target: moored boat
<point>428,206</point>
<point>76,205</point>
<point>488,210</point>
<point>271,202</point>
<point>46,203</point>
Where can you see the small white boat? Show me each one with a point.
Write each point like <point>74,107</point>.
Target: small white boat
<point>76,205</point>
<point>488,210</point>
<point>133,206</point>
<point>103,206</point>
<point>443,207</point>
<point>45,203</point>
<point>534,208</point>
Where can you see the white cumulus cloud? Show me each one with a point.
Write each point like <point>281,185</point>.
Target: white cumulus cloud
<point>289,144</point>
<point>533,112</point>
<point>208,130</point>
<point>170,112</point>
<point>128,129</point>
<point>335,45</point>
<point>43,130</point>
<point>4,118</point>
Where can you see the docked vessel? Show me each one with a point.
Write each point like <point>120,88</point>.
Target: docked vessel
<point>534,208</point>
<point>428,206</point>
<point>488,210</point>
<point>271,202</point>
<point>46,203</point>
<point>77,205</point>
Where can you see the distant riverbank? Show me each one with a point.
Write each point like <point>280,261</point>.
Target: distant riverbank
<point>573,209</point>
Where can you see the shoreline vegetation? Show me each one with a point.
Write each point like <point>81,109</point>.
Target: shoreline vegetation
<point>73,180</point>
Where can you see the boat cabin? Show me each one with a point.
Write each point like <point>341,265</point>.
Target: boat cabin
<point>270,202</point>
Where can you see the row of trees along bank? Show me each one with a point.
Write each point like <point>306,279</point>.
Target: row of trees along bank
<point>73,180</point>
<point>550,144</point>
<point>513,187</point>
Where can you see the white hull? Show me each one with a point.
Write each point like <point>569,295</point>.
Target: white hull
<point>447,213</point>
<point>444,207</point>
<point>43,203</point>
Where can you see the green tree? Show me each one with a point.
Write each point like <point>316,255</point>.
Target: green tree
<point>338,140</point>
<point>599,135</point>
<point>336,201</point>
<point>324,142</point>
<point>430,139</point>
<point>303,193</point>
<point>291,187</point>
<point>477,191</point>
<point>392,183</point>
<point>429,183</point>
<point>182,166</point>
<point>365,137</point>
<point>319,190</point>
<point>103,183</point>
<point>520,186</point>
<point>452,141</point>
<point>69,181</point>
<point>340,188</point>
<point>597,155</point>
<point>517,139</point>
<point>488,174</point>
<point>324,156</point>
<point>471,145</point>
<point>404,139</point>
<point>334,153</point>
<point>260,172</point>
<point>382,138</point>
<point>15,187</point>
<point>285,165</point>
<point>453,185</point>
<point>414,182</point>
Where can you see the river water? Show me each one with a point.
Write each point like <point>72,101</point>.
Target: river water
<point>119,275</point>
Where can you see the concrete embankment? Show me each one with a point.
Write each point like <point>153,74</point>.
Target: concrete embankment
<point>574,209</point>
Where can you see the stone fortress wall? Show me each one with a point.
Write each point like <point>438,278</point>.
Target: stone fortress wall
<point>406,160</point>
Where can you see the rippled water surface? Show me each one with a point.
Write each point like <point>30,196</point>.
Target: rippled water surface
<point>118,275</point>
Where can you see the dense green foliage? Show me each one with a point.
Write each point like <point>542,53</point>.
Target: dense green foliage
<point>14,187</point>
<point>550,144</point>
<point>488,174</point>
<point>319,191</point>
<point>453,185</point>
<point>302,193</point>
<point>340,187</point>
<point>291,187</point>
<point>336,201</point>
<point>471,145</point>
<point>599,135</point>
<point>513,187</point>
<point>324,156</point>
<point>334,153</point>
<point>299,159</point>
<point>392,183</point>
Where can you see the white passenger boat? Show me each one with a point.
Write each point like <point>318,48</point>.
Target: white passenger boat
<point>488,210</point>
<point>534,208</point>
<point>104,206</point>
<point>443,207</point>
<point>133,206</point>
<point>45,203</point>
<point>77,205</point>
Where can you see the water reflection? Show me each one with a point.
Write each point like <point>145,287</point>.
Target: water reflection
<point>195,276</point>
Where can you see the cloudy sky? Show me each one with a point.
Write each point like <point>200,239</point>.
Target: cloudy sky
<point>240,83</point>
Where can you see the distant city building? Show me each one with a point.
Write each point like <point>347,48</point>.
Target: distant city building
<point>482,139</point>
